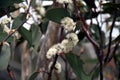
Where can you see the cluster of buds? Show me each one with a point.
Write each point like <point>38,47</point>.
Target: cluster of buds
<point>67,44</point>
<point>64,47</point>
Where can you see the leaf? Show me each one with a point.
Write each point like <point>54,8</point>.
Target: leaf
<point>26,35</point>
<point>36,34</point>
<point>81,35</point>
<point>110,4</point>
<point>33,76</point>
<point>19,20</point>
<point>111,8</point>
<point>56,14</point>
<point>3,35</point>
<point>77,66</point>
<point>44,25</point>
<point>7,10</point>
<point>4,56</point>
<point>6,3</point>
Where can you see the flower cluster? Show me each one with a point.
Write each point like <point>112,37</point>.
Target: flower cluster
<point>67,44</point>
<point>64,1</point>
<point>68,23</point>
<point>64,47</point>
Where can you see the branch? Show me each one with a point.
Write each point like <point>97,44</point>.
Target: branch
<point>114,51</point>
<point>110,38</point>
<point>52,67</point>
<point>60,36</point>
<point>19,25</point>
<point>85,26</point>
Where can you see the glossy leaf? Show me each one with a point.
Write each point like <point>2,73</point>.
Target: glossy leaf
<point>33,76</point>
<point>44,25</point>
<point>81,35</point>
<point>4,56</point>
<point>19,20</point>
<point>77,66</point>
<point>26,35</point>
<point>110,8</point>
<point>6,3</point>
<point>7,10</point>
<point>56,14</point>
<point>36,34</point>
<point>3,35</point>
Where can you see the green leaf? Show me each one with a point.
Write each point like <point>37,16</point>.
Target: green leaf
<point>3,35</point>
<point>33,76</point>
<point>81,35</point>
<point>36,35</point>
<point>77,66</point>
<point>56,14</point>
<point>44,25</point>
<point>26,35</point>
<point>6,3</point>
<point>19,20</point>
<point>4,56</point>
<point>7,10</point>
<point>111,8</point>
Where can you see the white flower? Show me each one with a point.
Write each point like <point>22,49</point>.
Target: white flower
<point>51,52</point>
<point>68,23</point>
<point>68,45</point>
<point>57,68</point>
<point>41,10</point>
<point>59,48</point>
<point>35,16</point>
<point>64,1</point>
<point>5,21</point>
<point>73,38</point>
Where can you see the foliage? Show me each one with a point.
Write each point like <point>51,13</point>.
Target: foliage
<point>104,47</point>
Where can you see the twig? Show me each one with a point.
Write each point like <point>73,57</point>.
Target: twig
<point>114,51</point>
<point>98,52</point>
<point>20,24</point>
<point>93,69</point>
<point>60,36</point>
<point>66,68</point>
<point>110,38</point>
<point>85,26</point>
<point>52,67</point>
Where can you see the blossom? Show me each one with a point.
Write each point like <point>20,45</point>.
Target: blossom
<point>51,52</point>
<point>72,37</point>
<point>68,23</point>
<point>57,67</point>
<point>4,23</point>
<point>59,47</point>
<point>64,1</point>
<point>68,46</point>
<point>41,10</point>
